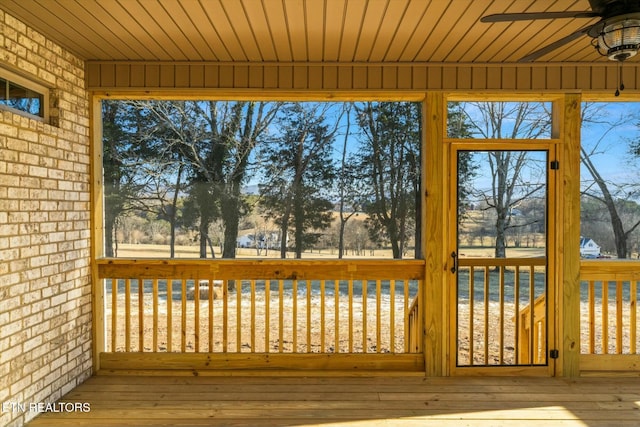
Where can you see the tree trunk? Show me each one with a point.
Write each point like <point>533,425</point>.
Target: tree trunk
<point>231,218</point>
<point>298,220</point>
<point>501,245</point>
<point>109,235</point>
<point>283,242</point>
<point>392,229</point>
<point>284,230</point>
<point>174,214</point>
<point>343,223</point>
<point>203,238</point>
<point>205,221</point>
<point>618,231</point>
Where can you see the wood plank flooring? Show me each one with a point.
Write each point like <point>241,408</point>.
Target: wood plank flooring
<point>402,401</point>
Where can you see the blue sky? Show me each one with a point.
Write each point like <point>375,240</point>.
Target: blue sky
<point>613,159</point>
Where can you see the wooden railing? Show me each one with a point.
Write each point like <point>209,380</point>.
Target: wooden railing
<point>414,327</point>
<point>494,322</point>
<point>609,308</point>
<point>251,306</point>
<point>532,343</point>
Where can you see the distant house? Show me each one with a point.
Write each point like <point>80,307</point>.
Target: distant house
<point>262,241</point>
<point>589,248</point>
<point>246,241</point>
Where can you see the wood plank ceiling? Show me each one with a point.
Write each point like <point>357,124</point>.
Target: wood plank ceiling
<point>305,31</point>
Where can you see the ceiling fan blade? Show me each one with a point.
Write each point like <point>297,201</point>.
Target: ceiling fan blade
<point>555,45</point>
<point>509,17</point>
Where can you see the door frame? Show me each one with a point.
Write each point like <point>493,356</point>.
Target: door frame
<point>551,147</point>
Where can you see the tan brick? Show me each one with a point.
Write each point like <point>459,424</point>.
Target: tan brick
<point>34,319</point>
<point>17,169</point>
<point>47,76</point>
<point>8,229</point>
<point>32,343</point>
<point>8,280</point>
<point>29,252</point>
<point>29,182</point>
<point>9,254</point>
<point>28,135</point>
<point>9,353</point>
<point>27,66</point>
<point>39,194</point>
<point>47,162</point>
<point>58,299</point>
<point>38,171</point>
<point>15,23</point>
<point>53,377</point>
<point>28,205</point>
<point>18,339</point>
<point>8,130</point>
<point>20,385</point>
<point>19,241</point>
<point>18,217</point>
<point>38,261</point>
<point>19,264</point>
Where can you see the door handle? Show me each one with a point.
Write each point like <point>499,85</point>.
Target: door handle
<point>454,255</point>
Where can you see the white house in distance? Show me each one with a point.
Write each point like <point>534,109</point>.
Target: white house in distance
<point>589,248</point>
<point>246,241</point>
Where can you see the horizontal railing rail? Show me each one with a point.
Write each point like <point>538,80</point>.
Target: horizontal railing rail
<point>262,306</point>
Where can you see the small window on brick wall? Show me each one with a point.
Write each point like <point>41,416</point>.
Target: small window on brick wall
<point>23,96</point>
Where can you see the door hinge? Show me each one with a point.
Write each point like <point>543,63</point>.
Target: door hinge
<point>554,165</point>
<point>554,354</point>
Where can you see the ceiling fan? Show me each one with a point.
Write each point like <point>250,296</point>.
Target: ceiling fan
<point>616,35</point>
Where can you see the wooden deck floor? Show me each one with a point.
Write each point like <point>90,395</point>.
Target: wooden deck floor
<point>350,401</point>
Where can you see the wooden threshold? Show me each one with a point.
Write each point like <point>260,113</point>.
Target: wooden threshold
<point>349,401</point>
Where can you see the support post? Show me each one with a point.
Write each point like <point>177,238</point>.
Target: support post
<point>568,250</point>
<point>434,167</point>
<point>97,239</point>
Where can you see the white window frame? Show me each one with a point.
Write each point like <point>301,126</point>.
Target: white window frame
<point>29,84</point>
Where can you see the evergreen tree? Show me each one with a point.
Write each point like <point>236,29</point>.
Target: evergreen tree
<point>390,167</point>
<point>299,172</point>
<point>122,155</point>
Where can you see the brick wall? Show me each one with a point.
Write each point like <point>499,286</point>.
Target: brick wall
<point>45,285</point>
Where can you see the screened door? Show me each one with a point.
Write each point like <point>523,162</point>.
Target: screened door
<point>500,267</point>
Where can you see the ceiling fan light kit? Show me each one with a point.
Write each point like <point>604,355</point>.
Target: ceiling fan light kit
<point>619,40</point>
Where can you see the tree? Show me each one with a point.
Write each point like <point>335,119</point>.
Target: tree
<point>235,130</point>
<point>498,120</point>
<point>613,195</point>
<point>298,173</point>
<point>122,157</point>
<point>458,126</point>
<point>350,193</point>
<point>164,160</point>
<point>213,143</point>
<point>390,167</point>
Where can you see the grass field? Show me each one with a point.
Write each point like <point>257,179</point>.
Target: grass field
<point>162,251</point>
